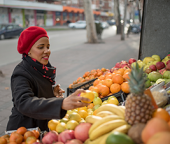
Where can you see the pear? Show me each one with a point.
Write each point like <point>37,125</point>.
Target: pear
<point>97,101</point>
<point>156,57</point>
<point>140,63</point>
<point>148,59</point>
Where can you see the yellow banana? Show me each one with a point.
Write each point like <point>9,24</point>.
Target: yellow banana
<point>92,119</point>
<point>105,128</point>
<point>103,120</point>
<point>112,108</point>
<point>100,140</point>
<point>122,129</point>
<point>123,108</point>
<point>104,113</point>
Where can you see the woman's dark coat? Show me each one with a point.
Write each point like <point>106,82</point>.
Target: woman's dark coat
<point>34,103</point>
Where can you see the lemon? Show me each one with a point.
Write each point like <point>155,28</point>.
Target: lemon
<point>82,108</point>
<point>71,125</point>
<point>75,116</point>
<point>83,113</point>
<point>113,101</point>
<point>111,97</point>
<point>52,124</point>
<point>105,102</point>
<point>66,116</point>
<point>75,110</point>
<point>65,120</point>
<point>82,121</point>
<point>88,94</point>
<point>95,94</point>
<point>61,127</point>
<point>69,111</point>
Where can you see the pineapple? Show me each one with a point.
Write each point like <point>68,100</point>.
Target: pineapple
<point>139,108</point>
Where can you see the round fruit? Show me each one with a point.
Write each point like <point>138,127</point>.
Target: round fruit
<point>113,101</point>
<point>21,130</point>
<point>125,87</point>
<point>162,113</point>
<point>75,116</point>
<point>83,113</point>
<point>61,127</point>
<point>52,124</point>
<point>88,94</point>
<point>115,88</point>
<point>71,125</point>
<point>118,138</point>
<point>31,140</point>
<point>65,120</point>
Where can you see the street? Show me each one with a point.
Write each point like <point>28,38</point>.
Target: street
<point>58,40</point>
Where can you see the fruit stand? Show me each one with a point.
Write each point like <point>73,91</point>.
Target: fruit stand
<point>129,103</point>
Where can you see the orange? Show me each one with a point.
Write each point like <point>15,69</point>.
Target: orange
<point>79,78</point>
<point>152,127</point>
<point>28,134</point>
<point>6,137</point>
<point>12,142</point>
<point>104,90</point>
<point>90,106</point>
<point>169,123</point>
<point>103,69</point>
<point>94,88</point>
<point>96,82</point>
<point>86,74</point>
<point>30,140</point>
<point>3,140</point>
<point>117,79</point>
<point>101,82</point>
<point>127,70</point>
<point>102,77</point>
<point>108,76</point>
<point>70,86</point>
<point>94,113</point>
<point>83,113</point>
<point>108,82</point>
<point>162,114</point>
<point>91,87</point>
<point>126,76</point>
<point>15,137</point>
<point>121,71</point>
<point>99,73</point>
<point>115,88</point>
<point>107,73</point>
<point>21,130</point>
<point>36,133</point>
<point>125,87</point>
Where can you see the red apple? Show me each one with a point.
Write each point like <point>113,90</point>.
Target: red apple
<point>153,67</point>
<point>168,62</point>
<point>66,136</point>
<point>74,141</point>
<point>168,55</point>
<point>168,66</point>
<point>117,65</point>
<point>124,62</point>
<point>160,65</point>
<point>82,131</point>
<point>132,60</point>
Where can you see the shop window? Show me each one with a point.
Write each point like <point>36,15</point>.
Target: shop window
<point>76,16</point>
<point>64,16</point>
<point>70,16</point>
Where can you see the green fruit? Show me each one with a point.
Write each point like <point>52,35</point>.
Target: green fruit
<point>167,81</point>
<point>167,58</point>
<point>148,59</point>
<point>154,76</point>
<point>61,127</point>
<point>97,101</point>
<point>145,67</point>
<point>154,62</point>
<point>118,138</point>
<point>147,83</point>
<point>166,74</point>
<point>71,125</point>
<point>133,64</point>
<point>95,94</point>
<point>96,107</point>
<point>152,83</point>
<point>150,63</point>
<point>65,120</point>
<point>111,97</point>
<point>156,57</point>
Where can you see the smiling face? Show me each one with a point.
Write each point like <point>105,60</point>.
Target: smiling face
<point>41,50</point>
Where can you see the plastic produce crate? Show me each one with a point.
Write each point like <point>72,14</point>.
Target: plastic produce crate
<point>84,86</point>
<point>121,97</point>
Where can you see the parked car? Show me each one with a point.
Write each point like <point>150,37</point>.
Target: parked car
<point>136,28</point>
<point>10,30</point>
<point>105,25</point>
<point>78,24</point>
<point>111,22</point>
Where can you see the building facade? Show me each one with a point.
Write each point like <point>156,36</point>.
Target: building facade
<point>54,12</point>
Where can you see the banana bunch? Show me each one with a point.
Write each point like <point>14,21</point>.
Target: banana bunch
<point>112,120</point>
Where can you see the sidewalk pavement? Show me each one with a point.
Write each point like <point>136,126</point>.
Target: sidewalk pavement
<point>72,63</point>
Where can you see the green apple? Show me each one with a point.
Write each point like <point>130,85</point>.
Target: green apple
<point>150,63</point>
<point>97,101</point>
<point>167,58</point>
<point>140,63</point>
<point>156,57</point>
<point>133,64</point>
<point>96,107</point>
<point>145,67</point>
<point>147,83</point>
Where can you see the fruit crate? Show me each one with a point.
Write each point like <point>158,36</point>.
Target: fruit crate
<point>121,97</point>
<point>84,86</point>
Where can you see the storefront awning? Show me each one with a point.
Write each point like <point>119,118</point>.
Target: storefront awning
<point>96,12</point>
<point>110,14</point>
<point>72,9</point>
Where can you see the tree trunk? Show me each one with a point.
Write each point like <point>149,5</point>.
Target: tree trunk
<point>124,21</point>
<point>90,25</point>
<point>137,4</point>
<point>117,16</point>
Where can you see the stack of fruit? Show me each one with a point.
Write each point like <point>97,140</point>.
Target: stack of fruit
<point>20,136</point>
<point>89,75</point>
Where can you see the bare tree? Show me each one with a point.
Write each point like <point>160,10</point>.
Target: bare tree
<point>117,16</point>
<point>124,21</point>
<point>90,25</point>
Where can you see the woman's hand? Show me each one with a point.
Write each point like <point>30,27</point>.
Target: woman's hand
<point>58,92</point>
<point>74,101</point>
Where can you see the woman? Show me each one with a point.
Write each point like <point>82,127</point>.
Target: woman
<point>34,98</point>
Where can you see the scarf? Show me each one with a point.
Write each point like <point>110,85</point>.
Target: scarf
<point>47,71</point>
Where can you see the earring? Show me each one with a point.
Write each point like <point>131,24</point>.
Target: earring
<point>29,53</point>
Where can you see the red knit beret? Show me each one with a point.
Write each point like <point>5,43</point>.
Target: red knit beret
<point>28,38</point>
